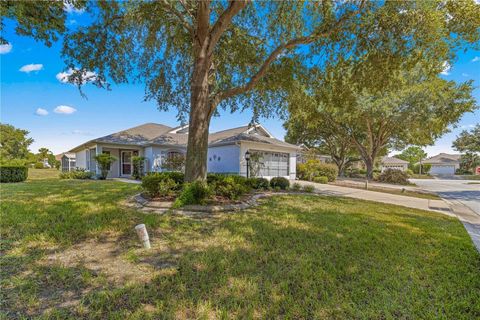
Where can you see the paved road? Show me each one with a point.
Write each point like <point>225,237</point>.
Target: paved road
<point>454,190</point>
<point>465,198</point>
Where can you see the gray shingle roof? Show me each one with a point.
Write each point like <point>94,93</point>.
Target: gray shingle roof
<point>158,134</point>
<point>139,135</point>
<point>443,158</point>
<point>393,160</point>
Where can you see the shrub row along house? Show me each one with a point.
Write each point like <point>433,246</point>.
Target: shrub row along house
<point>157,143</point>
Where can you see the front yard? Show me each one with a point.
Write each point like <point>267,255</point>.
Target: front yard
<point>69,250</point>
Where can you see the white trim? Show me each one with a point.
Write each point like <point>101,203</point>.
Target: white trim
<point>256,127</point>
<point>178,129</point>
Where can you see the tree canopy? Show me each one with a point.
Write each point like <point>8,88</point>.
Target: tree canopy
<point>14,143</point>
<point>468,141</point>
<point>413,155</point>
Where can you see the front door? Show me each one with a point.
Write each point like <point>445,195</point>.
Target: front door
<point>126,165</point>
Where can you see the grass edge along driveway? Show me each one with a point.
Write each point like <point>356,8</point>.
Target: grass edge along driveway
<point>69,251</point>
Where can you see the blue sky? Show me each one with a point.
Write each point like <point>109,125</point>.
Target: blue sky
<point>27,96</point>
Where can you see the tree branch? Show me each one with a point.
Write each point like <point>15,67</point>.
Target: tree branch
<point>171,9</point>
<point>223,21</point>
<point>274,55</point>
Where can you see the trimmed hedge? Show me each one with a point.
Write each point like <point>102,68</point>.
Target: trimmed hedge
<point>258,183</point>
<point>321,179</point>
<point>279,183</point>
<point>315,168</point>
<point>153,182</point>
<point>78,173</point>
<point>13,173</point>
<point>39,165</point>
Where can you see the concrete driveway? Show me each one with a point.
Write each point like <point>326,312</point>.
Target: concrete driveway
<point>464,196</point>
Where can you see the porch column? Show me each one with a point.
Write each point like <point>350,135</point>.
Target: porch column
<point>98,150</point>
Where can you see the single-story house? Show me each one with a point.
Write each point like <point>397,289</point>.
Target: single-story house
<point>67,161</point>
<point>158,142</point>
<point>443,163</point>
<point>393,163</point>
<point>305,153</point>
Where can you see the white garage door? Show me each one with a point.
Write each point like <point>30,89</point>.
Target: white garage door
<point>442,170</point>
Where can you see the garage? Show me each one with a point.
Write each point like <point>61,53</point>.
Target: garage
<point>445,169</point>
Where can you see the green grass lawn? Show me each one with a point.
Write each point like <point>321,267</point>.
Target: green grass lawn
<point>40,174</point>
<point>69,251</point>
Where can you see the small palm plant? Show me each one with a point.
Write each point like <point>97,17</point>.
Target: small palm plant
<point>104,161</point>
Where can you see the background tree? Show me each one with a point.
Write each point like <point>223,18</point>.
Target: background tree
<point>43,154</point>
<point>324,139</point>
<point>415,109</point>
<point>468,162</point>
<point>14,143</point>
<point>413,155</point>
<point>468,141</point>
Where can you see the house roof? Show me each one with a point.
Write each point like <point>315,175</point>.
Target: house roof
<point>158,134</point>
<point>443,158</point>
<point>393,160</point>
<point>136,135</point>
<point>68,155</point>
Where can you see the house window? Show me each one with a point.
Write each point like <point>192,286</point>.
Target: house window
<point>93,162</point>
<point>274,164</point>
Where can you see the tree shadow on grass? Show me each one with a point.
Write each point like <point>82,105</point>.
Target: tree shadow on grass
<point>292,257</point>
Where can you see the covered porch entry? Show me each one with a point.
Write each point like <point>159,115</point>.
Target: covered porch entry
<point>122,167</point>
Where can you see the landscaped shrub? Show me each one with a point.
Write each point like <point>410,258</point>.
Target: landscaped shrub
<point>308,188</point>
<point>138,167</point>
<point>230,187</point>
<point>167,188</point>
<point>315,168</point>
<point>13,173</point>
<point>321,179</point>
<point>279,183</point>
<point>39,165</point>
<point>78,173</point>
<point>152,181</point>
<point>258,183</point>
<point>409,172</point>
<point>296,186</point>
<point>393,176</point>
<point>104,161</point>
<point>197,192</point>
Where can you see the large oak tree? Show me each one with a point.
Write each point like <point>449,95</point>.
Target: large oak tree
<point>198,56</point>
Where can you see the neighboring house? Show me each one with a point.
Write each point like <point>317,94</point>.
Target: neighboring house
<point>443,163</point>
<point>67,161</point>
<point>305,153</point>
<point>157,142</point>
<point>45,163</point>
<point>393,163</point>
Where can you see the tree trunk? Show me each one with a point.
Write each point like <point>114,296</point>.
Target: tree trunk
<point>369,164</point>
<point>201,111</point>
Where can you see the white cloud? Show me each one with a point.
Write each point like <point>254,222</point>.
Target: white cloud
<point>41,112</point>
<point>87,76</point>
<point>64,110</point>
<point>446,68</point>
<point>71,9</point>
<point>31,67</point>
<point>5,48</point>
<point>476,59</point>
